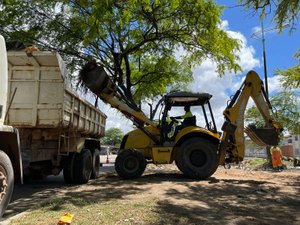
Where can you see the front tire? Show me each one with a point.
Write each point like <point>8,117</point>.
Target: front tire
<point>130,164</point>
<point>197,158</point>
<point>6,181</point>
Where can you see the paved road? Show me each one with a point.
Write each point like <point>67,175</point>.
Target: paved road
<point>26,195</point>
<point>108,159</point>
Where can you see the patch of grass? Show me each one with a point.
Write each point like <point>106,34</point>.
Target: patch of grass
<point>259,163</point>
<point>111,212</point>
<point>256,162</point>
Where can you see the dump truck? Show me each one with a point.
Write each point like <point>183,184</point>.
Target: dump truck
<point>10,153</point>
<point>196,150</point>
<point>46,127</point>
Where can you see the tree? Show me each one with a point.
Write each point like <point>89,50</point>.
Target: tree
<point>135,41</point>
<point>113,136</point>
<point>290,78</point>
<point>287,108</point>
<point>285,12</point>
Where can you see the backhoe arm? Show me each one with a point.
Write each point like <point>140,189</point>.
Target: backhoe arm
<point>97,80</point>
<point>232,145</point>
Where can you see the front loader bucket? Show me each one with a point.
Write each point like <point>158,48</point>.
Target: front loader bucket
<point>263,136</point>
<point>96,79</point>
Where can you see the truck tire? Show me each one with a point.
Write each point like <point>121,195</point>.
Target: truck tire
<point>197,158</point>
<point>130,164</point>
<point>96,164</point>
<point>6,181</point>
<point>83,166</point>
<point>68,168</point>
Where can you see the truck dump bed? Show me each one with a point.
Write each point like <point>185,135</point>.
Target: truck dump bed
<point>40,96</point>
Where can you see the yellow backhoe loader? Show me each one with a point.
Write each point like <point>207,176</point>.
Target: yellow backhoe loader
<point>196,150</point>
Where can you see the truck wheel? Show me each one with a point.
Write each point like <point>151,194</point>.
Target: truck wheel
<point>96,164</point>
<point>197,158</point>
<point>68,169</point>
<point>83,167</point>
<point>6,181</point>
<point>130,164</point>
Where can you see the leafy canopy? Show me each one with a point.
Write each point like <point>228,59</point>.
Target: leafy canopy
<point>285,11</point>
<point>136,41</point>
<point>113,136</point>
<point>287,107</point>
<point>291,77</point>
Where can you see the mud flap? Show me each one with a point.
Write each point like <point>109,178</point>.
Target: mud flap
<point>263,136</point>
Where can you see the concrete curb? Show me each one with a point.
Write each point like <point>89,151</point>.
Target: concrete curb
<point>8,220</point>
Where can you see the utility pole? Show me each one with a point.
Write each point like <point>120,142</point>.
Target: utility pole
<point>265,58</point>
<point>260,35</point>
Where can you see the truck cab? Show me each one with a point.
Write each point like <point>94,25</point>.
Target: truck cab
<point>10,155</point>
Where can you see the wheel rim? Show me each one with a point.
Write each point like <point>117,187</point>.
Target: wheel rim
<point>3,183</point>
<point>198,158</point>
<point>131,164</point>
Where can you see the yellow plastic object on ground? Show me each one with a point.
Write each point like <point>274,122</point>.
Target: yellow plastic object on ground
<point>65,219</point>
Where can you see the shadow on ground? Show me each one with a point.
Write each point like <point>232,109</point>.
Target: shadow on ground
<point>213,201</point>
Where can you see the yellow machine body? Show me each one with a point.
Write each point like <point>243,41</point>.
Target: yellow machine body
<point>139,141</point>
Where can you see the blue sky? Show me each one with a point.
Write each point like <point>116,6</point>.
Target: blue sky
<point>240,24</point>
<point>280,48</point>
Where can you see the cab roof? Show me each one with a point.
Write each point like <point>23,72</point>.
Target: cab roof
<point>182,98</point>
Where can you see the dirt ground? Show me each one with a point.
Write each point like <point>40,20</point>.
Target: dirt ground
<point>230,196</point>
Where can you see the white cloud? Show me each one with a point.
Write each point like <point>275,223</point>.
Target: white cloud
<point>274,84</point>
<point>256,31</point>
<point>115,119</point>
<point>246,53</point>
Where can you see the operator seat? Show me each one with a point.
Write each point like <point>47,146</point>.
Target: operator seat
<point>190,121</point>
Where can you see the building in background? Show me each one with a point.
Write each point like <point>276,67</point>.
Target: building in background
<point>290,147</point>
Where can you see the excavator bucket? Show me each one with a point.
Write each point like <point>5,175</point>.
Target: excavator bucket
<point>263,136</point>
<point>96,79</point>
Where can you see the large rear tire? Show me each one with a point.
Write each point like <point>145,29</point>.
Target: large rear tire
<point>130,164</point>
<point>83,167</point>
<point>6,181</point>
<point>197,158</point>
<point>96,164</point>
<point>68,168</point>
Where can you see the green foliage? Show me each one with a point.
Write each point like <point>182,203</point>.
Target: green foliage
<point>286,11</point>
<point>287,106</point>
<point>290,78</point>
<point>165,69</point>
<point>136,41</point>
<point>113,136</point>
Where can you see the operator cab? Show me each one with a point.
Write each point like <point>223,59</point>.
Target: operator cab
<point>175,102</point>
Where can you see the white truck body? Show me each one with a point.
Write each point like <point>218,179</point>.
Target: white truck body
<point>52,119</point>
<point>10,156</point>
<point>43,97</point>
<point>3,80</point>
<point>45,127</point>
